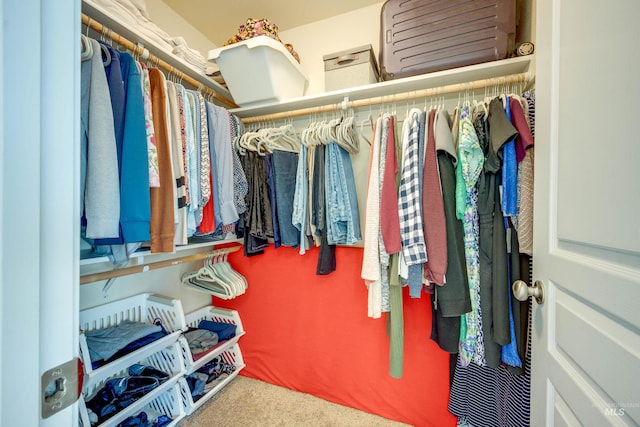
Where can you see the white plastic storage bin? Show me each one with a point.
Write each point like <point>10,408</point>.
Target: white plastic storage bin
<point>168,403</point>
<point>139,308</point>
<point>217,315</point>
<point>232,356</point>
<point>259,71</point>
<point>168,360</point>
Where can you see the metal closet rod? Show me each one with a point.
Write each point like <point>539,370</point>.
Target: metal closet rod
<point>394,98</point>
<point>112,274</point>
<point>144,53</point>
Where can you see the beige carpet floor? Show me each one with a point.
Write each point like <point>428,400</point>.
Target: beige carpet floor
<point>246,402</point>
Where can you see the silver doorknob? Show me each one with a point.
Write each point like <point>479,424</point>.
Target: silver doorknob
<point>522,291</point>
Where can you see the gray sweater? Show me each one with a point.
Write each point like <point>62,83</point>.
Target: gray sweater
<point>99,163</point>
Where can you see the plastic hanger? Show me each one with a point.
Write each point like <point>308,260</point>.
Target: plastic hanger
<point>367,121</point>
<point>86,46</point>
<point>349,135</point>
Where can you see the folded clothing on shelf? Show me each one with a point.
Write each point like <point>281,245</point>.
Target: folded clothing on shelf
<point>118,393</point>
<point>215,368</point>
<point>111,343</point>
<point>196,382</point>
<point>134,14</point>
<point>201,340</point>
<point>225,331</point>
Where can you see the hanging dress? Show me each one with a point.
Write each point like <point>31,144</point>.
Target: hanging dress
<point>470,162</point>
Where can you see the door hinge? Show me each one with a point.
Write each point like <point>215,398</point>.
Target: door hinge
<point>61,386</point>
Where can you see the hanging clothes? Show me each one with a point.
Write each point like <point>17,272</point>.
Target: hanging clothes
<point>390,236</point>
<point>509,208</point>
<point>99,191</point>
<point>215,171</point>
<point>135,210</point>
<point>226,164</point>
<point>162,229</point>
<point>152,152</point>
<point>327,255</point>
<point>524,146</point>
<point>258,226</point>
<point>115,80</point>
<point>470,162</point>
<point>488,397</point>
<point>192,160</point>
<point>384,255</point>
<point>272,198</point>
<point>240,185</point>
<point>498,396</point>
<point>285,165</point>
<point>452,300</point>
<point>176,128</point>
<point>301,199</point>
<point>203,151</point>
<point>389,216</point>
<point>492,240</point>
<point>409,207</point>
<point>433,211</point>
<point>343,222</point>
<point>370,271</point>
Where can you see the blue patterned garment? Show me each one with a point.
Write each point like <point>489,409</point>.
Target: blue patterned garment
<point>470,163</point>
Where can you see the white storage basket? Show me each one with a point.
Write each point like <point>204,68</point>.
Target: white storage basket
<point>232,356</point>
<point>217,315</point>
<point>259,71</point>
<point>168,403</point>
<point>168,360</point>
<point>144,308</point>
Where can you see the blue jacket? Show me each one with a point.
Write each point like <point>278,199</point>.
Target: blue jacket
<point>135,205</point>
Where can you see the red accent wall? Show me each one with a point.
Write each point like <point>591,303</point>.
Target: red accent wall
<point>311,333</point>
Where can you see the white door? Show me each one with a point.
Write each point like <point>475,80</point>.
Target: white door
<point>39,125</point>
<point>586,340</point>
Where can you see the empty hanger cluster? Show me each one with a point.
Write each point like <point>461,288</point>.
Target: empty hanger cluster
<point>217,278</point>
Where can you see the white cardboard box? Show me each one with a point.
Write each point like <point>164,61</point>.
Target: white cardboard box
<point>259,71</point>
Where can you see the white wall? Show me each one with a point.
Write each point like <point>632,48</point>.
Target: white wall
<point>175,25</point>
<point>331,35</point>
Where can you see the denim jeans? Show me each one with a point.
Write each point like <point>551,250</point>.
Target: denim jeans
<point>343,221</point>
<point>327,255</point>
<point>272,197</point>
<point>301,197</point>
<point>284,165</point>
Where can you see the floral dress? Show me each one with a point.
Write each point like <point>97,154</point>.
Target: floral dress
<point>470,163</point>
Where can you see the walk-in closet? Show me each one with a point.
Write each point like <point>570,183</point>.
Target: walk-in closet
<point>413,212</point>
